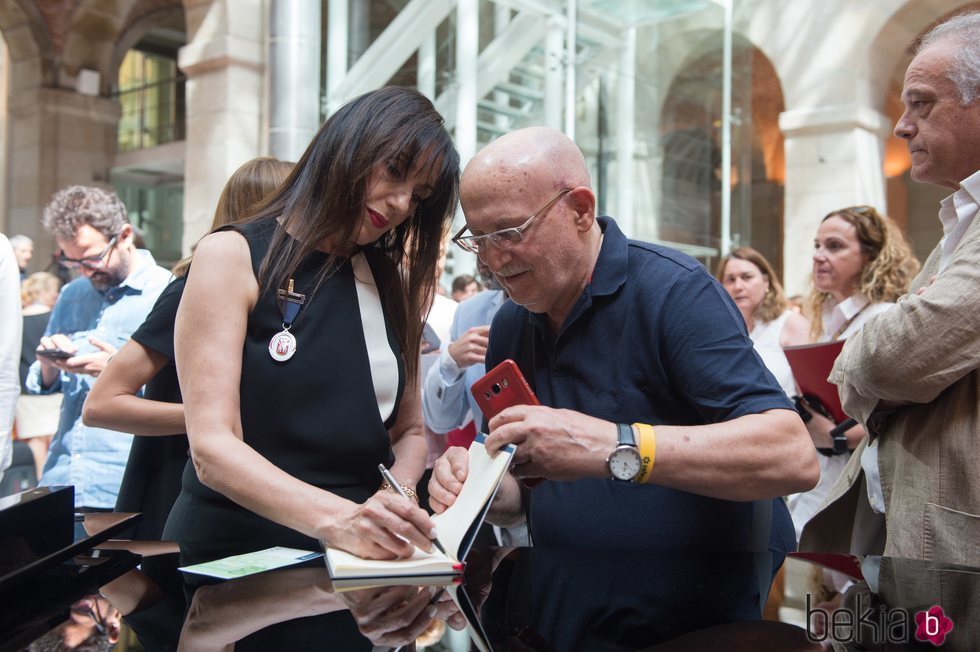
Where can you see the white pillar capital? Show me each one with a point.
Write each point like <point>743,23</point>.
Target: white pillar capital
<point>833,159</point>
<point>832,119</point>
<point>201,57</point>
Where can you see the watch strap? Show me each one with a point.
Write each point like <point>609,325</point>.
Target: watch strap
<point>626,435</point>
<point>838,436</point>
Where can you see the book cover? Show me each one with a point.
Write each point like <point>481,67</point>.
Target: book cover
<point>456,526</point>
<point>811,365</point>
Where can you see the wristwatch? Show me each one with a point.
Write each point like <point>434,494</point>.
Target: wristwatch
<point>624,462</point>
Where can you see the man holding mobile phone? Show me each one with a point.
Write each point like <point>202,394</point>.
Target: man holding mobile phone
<point>659,428</point>
<point>446,400</point>
<point>94,315</point>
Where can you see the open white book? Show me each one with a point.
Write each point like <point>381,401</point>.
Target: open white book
<point>456,526</point>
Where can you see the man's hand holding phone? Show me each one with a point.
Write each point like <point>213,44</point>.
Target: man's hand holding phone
<point>58,353</point>
<point>52,353</point>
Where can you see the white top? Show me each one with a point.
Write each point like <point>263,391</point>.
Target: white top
<point>440,317</point>
<point>10,344</point>
<point>384,364</point>
<point>766,337</point>
<point>856,308</point>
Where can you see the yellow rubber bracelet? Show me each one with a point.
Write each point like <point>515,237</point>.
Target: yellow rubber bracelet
<point>648,450</point>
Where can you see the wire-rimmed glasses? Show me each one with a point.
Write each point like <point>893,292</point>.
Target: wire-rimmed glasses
<point>504,238</point>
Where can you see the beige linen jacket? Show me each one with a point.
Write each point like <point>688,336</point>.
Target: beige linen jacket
<point>924,353</point>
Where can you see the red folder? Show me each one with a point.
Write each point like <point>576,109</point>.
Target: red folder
<point>811,365</point>
<point>847,564</point>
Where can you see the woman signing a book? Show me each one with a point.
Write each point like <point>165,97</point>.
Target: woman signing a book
<point>297,345</point>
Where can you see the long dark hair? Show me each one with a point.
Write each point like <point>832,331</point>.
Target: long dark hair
<point>324,197</point>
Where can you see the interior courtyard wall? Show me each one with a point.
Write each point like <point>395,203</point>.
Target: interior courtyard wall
<point>224,61</point>
<point>835,60</point>
<point>29,51</point>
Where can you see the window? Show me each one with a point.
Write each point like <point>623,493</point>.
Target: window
<point>151,94</point>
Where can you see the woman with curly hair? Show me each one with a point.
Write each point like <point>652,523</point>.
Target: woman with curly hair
<point>861,266</point>
<point>750,280</point>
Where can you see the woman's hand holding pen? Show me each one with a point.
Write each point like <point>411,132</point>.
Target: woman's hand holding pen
<point>386,526</point>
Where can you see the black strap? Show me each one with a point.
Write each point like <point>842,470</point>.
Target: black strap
<point>840,439</point>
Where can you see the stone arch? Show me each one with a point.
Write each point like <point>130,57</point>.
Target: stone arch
<point>28,44</point>
<point>145,15</point>
<point>90,42</point>
<point>690,123</point>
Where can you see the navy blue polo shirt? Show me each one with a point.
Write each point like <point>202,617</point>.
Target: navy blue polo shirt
<point>654,338</point>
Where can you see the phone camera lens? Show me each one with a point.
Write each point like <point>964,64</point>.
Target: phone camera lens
<point>495,388</point>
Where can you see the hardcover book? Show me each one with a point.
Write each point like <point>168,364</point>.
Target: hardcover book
<point>457,526</point>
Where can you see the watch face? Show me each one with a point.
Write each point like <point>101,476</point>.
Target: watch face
<point>625,463</point>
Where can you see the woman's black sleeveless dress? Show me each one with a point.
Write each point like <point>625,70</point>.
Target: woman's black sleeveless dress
<point>316,415</point>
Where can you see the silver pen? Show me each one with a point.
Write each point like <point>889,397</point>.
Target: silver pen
<point>390,479</point>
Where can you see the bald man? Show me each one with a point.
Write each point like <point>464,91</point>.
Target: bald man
<point>660,427</point>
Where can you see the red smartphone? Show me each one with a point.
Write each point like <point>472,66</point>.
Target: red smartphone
<point>502,387</point>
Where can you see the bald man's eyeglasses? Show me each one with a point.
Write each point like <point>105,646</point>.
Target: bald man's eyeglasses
<point>504,238</point>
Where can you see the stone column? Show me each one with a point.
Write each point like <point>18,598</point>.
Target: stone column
<point>833,160</point>
<point>294,74</point>
<point>224,64</point>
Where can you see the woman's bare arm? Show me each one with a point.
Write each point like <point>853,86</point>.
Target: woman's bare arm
<point>113,403</point>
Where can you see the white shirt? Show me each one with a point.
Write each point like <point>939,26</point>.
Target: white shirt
<point>854,309</point>
<point>956,212</point>
<point>765,338</point>
<point>10,344</point>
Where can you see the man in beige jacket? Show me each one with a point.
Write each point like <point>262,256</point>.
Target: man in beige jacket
<point>911,374</point>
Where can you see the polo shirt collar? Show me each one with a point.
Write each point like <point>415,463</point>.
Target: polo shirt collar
<point>608,275</point>
<point>610,269</point>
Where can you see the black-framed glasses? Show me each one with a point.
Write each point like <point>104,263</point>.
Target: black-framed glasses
<point>90,262</point>
<point>504,238</point>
